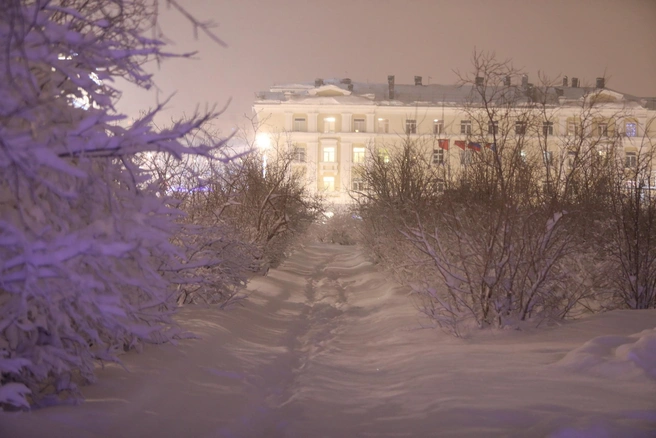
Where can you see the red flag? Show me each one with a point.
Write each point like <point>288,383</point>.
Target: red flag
<point>460,144</point>
<point>443,144</point>
<point>474,146</point>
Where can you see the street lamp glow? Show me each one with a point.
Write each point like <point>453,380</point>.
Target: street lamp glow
<point>262,141</point>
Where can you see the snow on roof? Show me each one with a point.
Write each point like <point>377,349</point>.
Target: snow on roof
<point>364,93</point>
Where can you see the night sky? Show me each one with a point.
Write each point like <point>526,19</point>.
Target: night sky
<point>281,41</point>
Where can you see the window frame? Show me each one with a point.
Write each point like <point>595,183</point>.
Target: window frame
<point>300,124</point>
<point>358,152</point>
<point>547,128</point>
<point>410,126</point>
<point>437,157</point>
<point>438,127</point>
<point>328,151</point>
<point>300,154</point>
<point>359,121</point>
<point>465,127</point>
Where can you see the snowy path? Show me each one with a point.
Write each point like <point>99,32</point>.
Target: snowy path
<point>328,347</point>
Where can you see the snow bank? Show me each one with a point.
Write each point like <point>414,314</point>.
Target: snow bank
<point>618,357</point>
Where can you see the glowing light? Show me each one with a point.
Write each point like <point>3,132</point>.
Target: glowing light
<point>262,141</point>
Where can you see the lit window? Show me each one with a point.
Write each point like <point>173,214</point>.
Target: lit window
<point>438,126</point>
<point>358,155</point>
<point>438,156</point>
<point>359,125</point>
<point>631,129</point>
<point>383,126</point>
<point>383,155</point>
<point>520,128</point>
<point>410,126</point>
<point>493,127</point>
<point>572,128</point>
<point>299,154</point>
<point>547,128</point>
<point>548,157</point>
<point>329,124</point>
<point>465,127</point>
<point>329,154</point>
<point>631,160</point>
<point>329,183</point>
<point>299,124</point>
<point>522,155</point>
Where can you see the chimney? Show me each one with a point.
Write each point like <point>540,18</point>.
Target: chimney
<point>506,81</point>
<point>349,86</point>
<point>565,81</point>
<point>524,82</point>
<point>390,82</point>
<point>601,83</point>
<point>575,82</point>
<point>479,81</point>
<point>417,80</point>
<point>318,82</point>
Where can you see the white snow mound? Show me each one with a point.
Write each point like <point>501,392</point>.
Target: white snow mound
<point>632,356</point>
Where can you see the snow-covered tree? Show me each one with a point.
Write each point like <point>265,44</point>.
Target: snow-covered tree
<point>87,263</point>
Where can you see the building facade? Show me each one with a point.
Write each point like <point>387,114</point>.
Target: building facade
<point>332,125</point>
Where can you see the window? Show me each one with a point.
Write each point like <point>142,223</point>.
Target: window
<point>547,128</point>
<point>357,184</point>
<point>358,155</point>
<point>438,186</point>
<point>299,154</point>
<point>465,127</point>
<point>359,125</point>
<point>329,183</point>
<point>438,126</point>
<point>329,154</point>
<point>522,155</point>
<point>572,128</point>
<point>438,156</point>
<point>520,128</point>
<point>410,126</point>
<point>602,129</point>
<point>571,159</point>
<point>383,155</point>
<point>299,124</point>
<point>493,127</point>
<point>631,160</point>
<point>329,124</point>
<point>383,126</point>
<point>631,129</point>
<point>465,158</point>
<point>548,157</point>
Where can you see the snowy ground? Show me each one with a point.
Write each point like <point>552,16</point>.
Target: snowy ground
<point>328,347</point>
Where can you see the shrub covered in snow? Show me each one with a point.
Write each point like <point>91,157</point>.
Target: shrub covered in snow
<point>88,264</point>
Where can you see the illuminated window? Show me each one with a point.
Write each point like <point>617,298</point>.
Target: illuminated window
<point>329,124</point>
<point>383,126</point>
<point>410,126</point>
<point>572,128</point>
<point>359,125</point>
<point>631,129</point>
<point>358,155</point>
<point>383,155</point>
<point>522,155</point>
<point>329,154</point>
<point>299,124</point>
<point>438,126</point>
<point>465,127</point>
<point>631,160</point>
<point>329,183</point>
<point>438,156</point>
<point>547,128</point>
<point>548,157</point>
<point>299,154</point>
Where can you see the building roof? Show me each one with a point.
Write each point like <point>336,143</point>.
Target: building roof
<point>347,92</point>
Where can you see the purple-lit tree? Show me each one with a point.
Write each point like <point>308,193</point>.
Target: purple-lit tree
<point>87,267</point>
